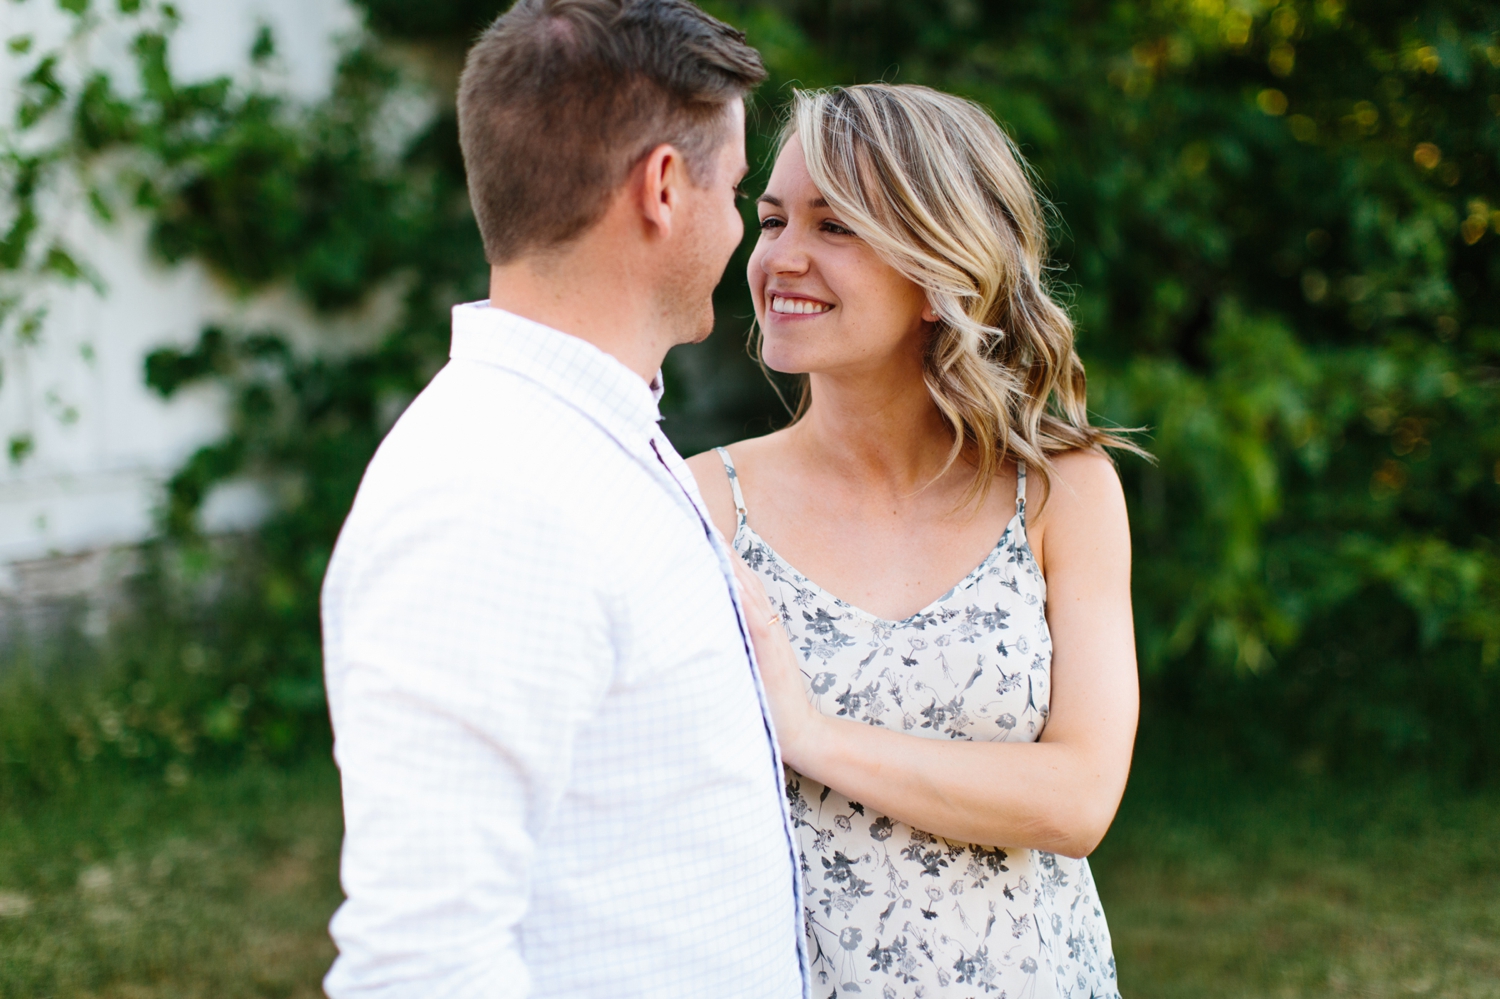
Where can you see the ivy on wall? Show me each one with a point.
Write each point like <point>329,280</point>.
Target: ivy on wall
<point>1278,228</point>
<point>221,657</point>
<point>37,158</point>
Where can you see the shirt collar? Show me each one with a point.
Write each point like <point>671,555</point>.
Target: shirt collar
<point>573,369</point>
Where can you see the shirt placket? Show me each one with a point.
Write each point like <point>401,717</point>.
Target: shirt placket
<point>765,711</point>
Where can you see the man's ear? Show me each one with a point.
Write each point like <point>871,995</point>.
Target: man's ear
<point>659,190</point>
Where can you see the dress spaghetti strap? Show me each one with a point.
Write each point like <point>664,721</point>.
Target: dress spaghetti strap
<point>1020,490</point>
<point>734,484</point>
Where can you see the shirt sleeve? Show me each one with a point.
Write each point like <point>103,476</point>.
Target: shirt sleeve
<point>466,648</point>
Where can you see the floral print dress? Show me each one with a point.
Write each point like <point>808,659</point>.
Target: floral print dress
<point>893,911</point>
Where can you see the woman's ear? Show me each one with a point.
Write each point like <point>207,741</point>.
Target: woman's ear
<point>929,314</point>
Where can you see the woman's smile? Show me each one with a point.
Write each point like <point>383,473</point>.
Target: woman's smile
<point>788,305</point>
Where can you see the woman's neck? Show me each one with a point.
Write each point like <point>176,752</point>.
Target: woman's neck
<point>884,432</point>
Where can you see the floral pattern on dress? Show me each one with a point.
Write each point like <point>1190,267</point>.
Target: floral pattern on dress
<point>893,911</point>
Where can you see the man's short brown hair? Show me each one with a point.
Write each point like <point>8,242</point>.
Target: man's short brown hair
<point>559,99</point>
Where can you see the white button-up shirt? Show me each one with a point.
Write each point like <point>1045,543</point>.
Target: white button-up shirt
<point>558,770</point>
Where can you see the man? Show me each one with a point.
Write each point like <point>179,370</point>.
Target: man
<point>559,777</point>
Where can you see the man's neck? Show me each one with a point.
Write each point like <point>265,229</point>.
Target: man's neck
<point>596,296</point>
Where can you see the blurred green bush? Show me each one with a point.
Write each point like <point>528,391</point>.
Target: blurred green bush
<point>202,670</point>
<point>1277,226</point>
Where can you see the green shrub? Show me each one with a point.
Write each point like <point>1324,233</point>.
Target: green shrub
<point>197,673</point>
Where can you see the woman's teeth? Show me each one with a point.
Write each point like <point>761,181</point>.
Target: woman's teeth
<point>797,306</point>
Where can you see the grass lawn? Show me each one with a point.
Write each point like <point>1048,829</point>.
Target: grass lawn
<point>1213,887</point>
<point>220,889</point>
<point>1234,888</point>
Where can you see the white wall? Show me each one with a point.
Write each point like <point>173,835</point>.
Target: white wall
<point>94,480</point>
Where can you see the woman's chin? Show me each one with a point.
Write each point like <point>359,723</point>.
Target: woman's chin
<point>783,362</point>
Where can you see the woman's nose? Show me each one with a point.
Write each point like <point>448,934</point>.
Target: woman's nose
<point>787,254</point>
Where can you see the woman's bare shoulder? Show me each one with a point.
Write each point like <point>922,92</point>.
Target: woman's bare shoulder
<point>1084,502</point>
<point>713,479</point>
<point>713,484</point>
<point>1081,479</point>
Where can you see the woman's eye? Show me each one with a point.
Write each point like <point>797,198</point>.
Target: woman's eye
<point>771,222</point>
<point>836,229</point>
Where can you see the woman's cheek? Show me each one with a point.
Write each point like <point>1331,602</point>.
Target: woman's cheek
<point>756,279</point>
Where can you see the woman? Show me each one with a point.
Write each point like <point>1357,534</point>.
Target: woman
<point>953,750</point>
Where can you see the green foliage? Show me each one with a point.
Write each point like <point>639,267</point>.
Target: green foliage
<point>209,665</point>
<point>1277,227</point>
<point>36,750</point>
<point>447,23</point>
<point>48,148</point>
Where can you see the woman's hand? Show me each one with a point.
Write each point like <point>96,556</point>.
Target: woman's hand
<point>796,721</point>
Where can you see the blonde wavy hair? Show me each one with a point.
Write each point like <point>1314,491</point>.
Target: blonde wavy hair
<point>934,186</point>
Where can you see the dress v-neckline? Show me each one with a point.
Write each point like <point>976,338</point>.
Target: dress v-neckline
<point>743,529</point>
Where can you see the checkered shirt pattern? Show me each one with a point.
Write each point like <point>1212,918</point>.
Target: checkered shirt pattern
<point>559,774</point>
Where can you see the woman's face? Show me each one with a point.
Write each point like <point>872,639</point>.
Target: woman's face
<point>825,301</point>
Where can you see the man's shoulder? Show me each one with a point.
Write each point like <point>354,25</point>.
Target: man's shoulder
<point>478,419</point>
<point>481,440</point>
<point>467,399</point>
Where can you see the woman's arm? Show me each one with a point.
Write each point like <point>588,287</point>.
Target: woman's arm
<point>1059,794</point>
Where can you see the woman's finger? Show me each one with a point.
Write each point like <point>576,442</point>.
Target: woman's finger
<point>752,595</point>
<point>792,713</point>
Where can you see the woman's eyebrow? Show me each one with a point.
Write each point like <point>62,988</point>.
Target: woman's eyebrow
<point>775,202</point>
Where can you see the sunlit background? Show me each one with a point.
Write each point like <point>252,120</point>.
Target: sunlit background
<point>229,239</point>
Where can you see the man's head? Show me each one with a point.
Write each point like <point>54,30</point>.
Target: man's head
<point>563,101</point>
